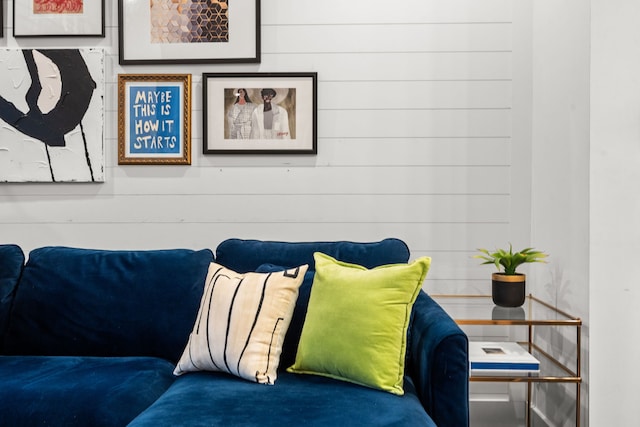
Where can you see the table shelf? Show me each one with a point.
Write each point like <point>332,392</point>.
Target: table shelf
<point>479,310</point>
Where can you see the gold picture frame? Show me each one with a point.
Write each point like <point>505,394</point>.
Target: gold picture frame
<point>154,119</point>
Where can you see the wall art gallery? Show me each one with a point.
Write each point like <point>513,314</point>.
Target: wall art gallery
<point>52,99</point>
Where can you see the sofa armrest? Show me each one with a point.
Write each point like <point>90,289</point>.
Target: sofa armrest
<point>438,363</point>
<point>11,265</point>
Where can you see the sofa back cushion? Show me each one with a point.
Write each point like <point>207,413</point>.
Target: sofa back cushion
<point>11,263</point>
<point>86,302</point>
<point>265,256</point>
<point>247,255</point>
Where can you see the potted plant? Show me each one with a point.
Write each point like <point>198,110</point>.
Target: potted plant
<point>508,286</point>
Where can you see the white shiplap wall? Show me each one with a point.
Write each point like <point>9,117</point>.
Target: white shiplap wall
<point>415,140</point>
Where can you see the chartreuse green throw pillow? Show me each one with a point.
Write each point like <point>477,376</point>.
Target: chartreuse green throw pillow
<point>356,324</point>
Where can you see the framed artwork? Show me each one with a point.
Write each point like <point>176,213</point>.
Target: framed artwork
<point>58,18</point>
<point>188,31</point>
<point>154,119</point>
<point>259,113</point>
<point>52,115</point>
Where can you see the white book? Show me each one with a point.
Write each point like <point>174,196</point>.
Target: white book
<point>501,357</point>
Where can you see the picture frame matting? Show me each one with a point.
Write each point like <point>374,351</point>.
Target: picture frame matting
<point>259,113</point>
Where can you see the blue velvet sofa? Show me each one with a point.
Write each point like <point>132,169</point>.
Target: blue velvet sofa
<point>91,338</point>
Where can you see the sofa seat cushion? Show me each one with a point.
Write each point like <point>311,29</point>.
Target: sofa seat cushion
<point>79,391</point>
<point>214,399</point>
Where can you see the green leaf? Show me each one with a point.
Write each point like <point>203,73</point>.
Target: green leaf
<point>509,260</point>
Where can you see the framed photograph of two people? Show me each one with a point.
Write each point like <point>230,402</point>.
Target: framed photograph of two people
<point>259,113</point>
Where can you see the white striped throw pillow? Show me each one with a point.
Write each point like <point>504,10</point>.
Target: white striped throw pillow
<point>241,323</point>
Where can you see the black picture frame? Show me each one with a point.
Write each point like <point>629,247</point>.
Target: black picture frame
<point>88,21</point>
<point>234,120</point>
<point>235,38</point>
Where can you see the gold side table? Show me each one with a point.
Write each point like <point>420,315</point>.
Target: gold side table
<point>535,313</point>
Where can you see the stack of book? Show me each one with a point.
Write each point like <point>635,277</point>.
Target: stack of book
<point>501,358</point>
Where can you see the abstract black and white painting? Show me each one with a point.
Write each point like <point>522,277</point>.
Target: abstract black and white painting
<point>51,115</point>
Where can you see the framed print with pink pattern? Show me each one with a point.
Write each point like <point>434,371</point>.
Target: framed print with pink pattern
<point>58,18</point>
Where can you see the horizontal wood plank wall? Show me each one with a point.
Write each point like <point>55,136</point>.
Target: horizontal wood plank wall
<point>414,141</point>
